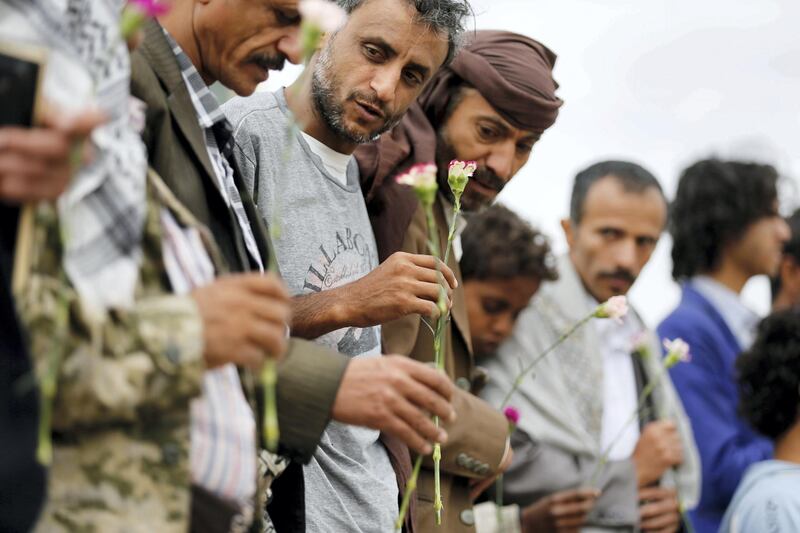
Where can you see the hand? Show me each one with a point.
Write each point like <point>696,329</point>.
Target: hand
<point>404,284</point>
<point>478,486</point>
<point>244,319</point>
<point>659,510</point>
<point>397,395</point>
<point>658,449</point>
<point>561,512</point>
<point>37,163</point>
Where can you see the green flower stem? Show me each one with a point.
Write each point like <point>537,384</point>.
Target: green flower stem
<point>132,19</point>
<point>521,376</point>
<point>411,486</point>
<point>452,233</point>
<point>437,487</point>
<point>49,384</point>
<point>438,350</point>
<point>269,378</point>
<point>687,523</point>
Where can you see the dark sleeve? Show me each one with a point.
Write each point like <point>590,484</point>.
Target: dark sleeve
<point>20,500</point>
<point>308,381</point>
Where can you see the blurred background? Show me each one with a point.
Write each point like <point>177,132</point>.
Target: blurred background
<point>662,83</point>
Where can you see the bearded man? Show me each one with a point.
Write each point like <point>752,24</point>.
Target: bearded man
<point>491,105</point>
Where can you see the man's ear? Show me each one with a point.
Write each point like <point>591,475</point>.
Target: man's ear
<point>569,230</point>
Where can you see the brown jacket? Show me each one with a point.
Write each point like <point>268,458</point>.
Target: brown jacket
<point>309,376</point>
<point>478,438</point>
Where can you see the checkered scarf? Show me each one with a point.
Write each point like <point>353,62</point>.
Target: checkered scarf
<point>102,211</point>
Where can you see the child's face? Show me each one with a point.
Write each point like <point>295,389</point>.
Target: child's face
<point>493,307</point>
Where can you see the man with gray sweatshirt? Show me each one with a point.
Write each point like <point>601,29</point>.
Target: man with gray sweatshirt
<point>305,182</point>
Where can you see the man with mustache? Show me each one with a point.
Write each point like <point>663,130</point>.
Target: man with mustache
<point>189,143</point>
<point>503,264</point>
<point>306,185</point>
<point>490,105</point>
<point>576,408</point>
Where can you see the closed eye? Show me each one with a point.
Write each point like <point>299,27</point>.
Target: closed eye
<point>286,17</point>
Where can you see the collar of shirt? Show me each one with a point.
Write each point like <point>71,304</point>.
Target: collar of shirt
<point>741,320</point>
<point>205,103</point>
<point>335,162</point>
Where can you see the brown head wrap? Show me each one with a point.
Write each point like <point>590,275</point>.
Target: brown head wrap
<point>511,71</point>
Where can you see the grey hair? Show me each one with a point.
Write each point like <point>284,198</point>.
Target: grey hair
<point>446,16</point>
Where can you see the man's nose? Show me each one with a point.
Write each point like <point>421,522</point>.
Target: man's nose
<point>783,230</point>
<point>289,45</point>
<point>626,255</point>
<point>501,160</point>
<point>384,83</point>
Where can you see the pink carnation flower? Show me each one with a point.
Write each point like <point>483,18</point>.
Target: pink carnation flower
<point>616,307</point>
<point>322,14</point>
<point>677,352</point>
<point>149,8</point>
<point>512,414</point>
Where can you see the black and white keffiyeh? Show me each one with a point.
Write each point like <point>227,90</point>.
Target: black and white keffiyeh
<point>102,212</point>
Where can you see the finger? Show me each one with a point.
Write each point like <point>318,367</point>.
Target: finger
<point>399,428</point>
<point>653,493</point>
<point>574,495</point>
<point>572,508</point>
<point>270,338</point>
<point>449,276</point>
<point>426,291</point>
<point>248,356</point>
<point>35,142</point>
<point>76,125</point>
<point>16,162</point>
<point>20,188</point>
<point>667,426</point>
<point>419,421</point>
<point>266,285</point>
<point>661,521</point>
<point>269,309</point>
<point>425,398</point>
<point>427,275</point>
<point>656,508</point>
<point>437,265</point>
<point>430,377</point>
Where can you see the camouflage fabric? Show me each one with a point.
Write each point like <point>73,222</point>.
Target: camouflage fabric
<point>125,380</point>
<point>121,412</point>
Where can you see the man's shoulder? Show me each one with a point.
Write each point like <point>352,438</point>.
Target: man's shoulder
<point>687,317</point>
<point>250,113</point>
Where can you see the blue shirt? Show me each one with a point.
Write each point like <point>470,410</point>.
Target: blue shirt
<point>707,387</point>
<point>768,499</point>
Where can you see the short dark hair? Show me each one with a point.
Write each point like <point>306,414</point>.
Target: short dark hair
<point>769,375</point>
<point>498,245</point>
<point>715,204</point>
<point>790,249</point>
<point>446,16</point>
<point>633,178</point>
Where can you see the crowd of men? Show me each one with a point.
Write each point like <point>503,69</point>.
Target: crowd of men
<point>158,247</point>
